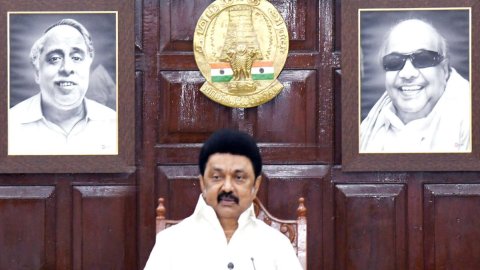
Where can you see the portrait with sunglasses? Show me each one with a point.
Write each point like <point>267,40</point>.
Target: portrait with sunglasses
<point>421,88</point>
<point>419,59</point>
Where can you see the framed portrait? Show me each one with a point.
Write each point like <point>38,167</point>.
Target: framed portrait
<point>409,72</point>
<point>68,103</point>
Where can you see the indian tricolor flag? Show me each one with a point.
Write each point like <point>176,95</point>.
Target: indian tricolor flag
<point>221,72</point>
<point>262,70</point>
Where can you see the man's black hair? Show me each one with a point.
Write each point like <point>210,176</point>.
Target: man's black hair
<point>233,142</point>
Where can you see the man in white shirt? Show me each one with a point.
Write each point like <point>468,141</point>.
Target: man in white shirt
<point>223,232</point>
<point>60,120</point>
<point>427,105</point>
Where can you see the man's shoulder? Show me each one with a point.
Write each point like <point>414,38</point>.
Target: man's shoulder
<point>25,104</point>
<point>97,110</point>
<point>184,227</point>
<point>26,111</point>
<point>270,233</point>
<point>277,244</point>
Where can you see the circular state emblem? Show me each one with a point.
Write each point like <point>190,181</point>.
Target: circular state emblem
<point>240,47</point>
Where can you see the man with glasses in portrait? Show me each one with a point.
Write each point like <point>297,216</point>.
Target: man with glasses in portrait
<point>426,105</point>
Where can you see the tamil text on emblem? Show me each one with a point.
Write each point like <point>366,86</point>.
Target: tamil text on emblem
<point>240,47</point>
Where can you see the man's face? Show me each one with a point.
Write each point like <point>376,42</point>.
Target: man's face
<point>64,68</point>
<point>229,185</point>
<point>415,91</point>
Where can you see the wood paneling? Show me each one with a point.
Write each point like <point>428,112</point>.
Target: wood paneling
<point>388,220</point>
<point>179,186</point>
<point>280,190</point>
<point>452,226</point>
<point>27,227</point>
<point>187,117</point>
<point>370,227</point>
<point>338,116</point>
<point>300,16</point>
<point>297,126</point>
<point>177,23</point>
<point>337,24</point>
<point>181,102</point>
<point>182,126</point>
<point>104,227</point>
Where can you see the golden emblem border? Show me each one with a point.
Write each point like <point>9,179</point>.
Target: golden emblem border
<point>281,32</point>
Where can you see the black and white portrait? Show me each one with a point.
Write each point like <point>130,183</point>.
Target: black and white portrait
<point>415,81</point>
<point>62,78</point>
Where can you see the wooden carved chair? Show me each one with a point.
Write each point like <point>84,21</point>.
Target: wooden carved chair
<point>295,229</point>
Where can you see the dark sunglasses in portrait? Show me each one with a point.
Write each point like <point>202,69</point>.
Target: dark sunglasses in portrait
<point>419,59</point>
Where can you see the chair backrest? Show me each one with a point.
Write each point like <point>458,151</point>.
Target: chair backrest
<point>294,229</point>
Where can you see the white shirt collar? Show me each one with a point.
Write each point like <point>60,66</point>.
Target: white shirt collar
<point>205,211</point>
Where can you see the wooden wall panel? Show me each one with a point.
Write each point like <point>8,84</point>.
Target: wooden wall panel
<point>280,190</point>
<point>181,126</point>
<point>179,186</point>
<point>299,15</point>
<point>104,227</point>
<point>181,102</point>
<point>370,227</point>
<point>293,181</point>
<point>185,18</point>
<point>177,23</point>
<point>337,79</point>
<point>187,117</point>
<point>138,21</point>
<point>337,42</point>
<point>27,227</point>
<point>452,226</point>
<point>296,126</point>
<point>147,134</point>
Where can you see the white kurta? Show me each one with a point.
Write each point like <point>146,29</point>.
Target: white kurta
<point>198,242</point>
<point>446,129</point>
